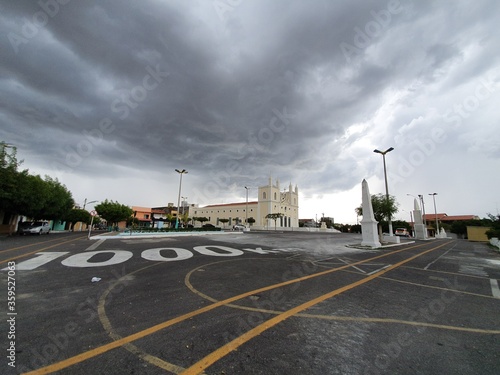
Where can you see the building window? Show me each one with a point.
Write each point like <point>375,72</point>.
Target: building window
<point>275,196</point>
<point>264,195</point>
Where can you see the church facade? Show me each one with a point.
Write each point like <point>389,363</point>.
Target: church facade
<point>271,200</point>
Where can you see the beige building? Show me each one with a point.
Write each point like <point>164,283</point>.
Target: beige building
<point>271,200</point>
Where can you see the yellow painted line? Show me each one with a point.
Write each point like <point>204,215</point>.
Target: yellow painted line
<point>39,250</point>
<point>358,319</point>
<point>406,322</point>
<point>32,244</point>
<point>101,312</point>
<point>224,350</point>
<point>148,331</point>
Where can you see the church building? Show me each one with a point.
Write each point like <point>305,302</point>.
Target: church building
<point>271,200</point>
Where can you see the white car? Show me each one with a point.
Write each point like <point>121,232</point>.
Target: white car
<point>239,227</point>
<point>38,227</point>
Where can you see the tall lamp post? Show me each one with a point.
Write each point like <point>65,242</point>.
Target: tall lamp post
<point>435,213</point>
<point>85,203</point>
<point>179,197</point>
<point>386,186</point>
<point>246,208</point>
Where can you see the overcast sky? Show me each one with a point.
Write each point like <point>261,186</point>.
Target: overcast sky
<point>111,97</point>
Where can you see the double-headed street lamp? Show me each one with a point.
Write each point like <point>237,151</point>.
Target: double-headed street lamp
<point>179,197</point>
<point>435,213</point>
<point>85,203</point>
<point>386,186</point>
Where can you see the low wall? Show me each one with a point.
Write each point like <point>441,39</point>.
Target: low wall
<point>294,229</point>
<point>477,233</point>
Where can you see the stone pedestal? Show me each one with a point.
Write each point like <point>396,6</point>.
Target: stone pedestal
<point>323,226</point>
<point>368,223</point>
<point>420,232</point>
<point>392,239</point>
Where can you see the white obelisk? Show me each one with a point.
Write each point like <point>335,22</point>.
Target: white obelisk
<point>368,223</point>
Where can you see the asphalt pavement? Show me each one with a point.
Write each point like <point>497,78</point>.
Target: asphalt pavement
<point>247,303</point>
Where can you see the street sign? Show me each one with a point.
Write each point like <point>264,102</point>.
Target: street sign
<point>93,213</point>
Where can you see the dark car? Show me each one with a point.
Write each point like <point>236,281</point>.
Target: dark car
<point>208,226</point>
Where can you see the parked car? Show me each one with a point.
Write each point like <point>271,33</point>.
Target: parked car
<point>239,227</point>
<point>208,225</point>
<point>403,232</point>
<point>37,227</point>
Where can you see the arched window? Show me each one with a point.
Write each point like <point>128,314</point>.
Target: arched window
<point>264,196</point>
<point>275,196</point>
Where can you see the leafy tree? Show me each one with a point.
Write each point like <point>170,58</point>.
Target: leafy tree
<point>224,221</point>
<point>275,217</point>
<point>113,212</point>
<point>495,226</point>
<point>76,215</point>
<point>382,208</point>
<point>58,200</point>
<point>184,218</point>
<point>200,219</point>
<point>251,220</point>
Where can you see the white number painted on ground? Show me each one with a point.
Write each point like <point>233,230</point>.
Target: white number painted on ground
<point>230,252</point>
<point>40,260</point>
<point>155,254</point>
<point>83,260</point>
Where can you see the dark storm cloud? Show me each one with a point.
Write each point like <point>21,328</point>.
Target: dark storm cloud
<point>275,87</point>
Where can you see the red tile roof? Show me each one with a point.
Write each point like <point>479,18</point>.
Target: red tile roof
<point>228,204</point>
<point>445,217</point>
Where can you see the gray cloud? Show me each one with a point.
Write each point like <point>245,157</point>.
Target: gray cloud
<point>106,88</point>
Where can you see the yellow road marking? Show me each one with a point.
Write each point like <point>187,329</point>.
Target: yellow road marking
<point>39,250</point>
<point>148,331</point>
<point>224,350</point>
<point>101,312</point>
<point>32,244</point>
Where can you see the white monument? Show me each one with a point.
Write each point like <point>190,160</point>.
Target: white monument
<point>442,234</point>
<point>368,223</point>
<point>420,229</point>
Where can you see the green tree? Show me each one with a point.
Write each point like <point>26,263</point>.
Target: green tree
<point>495,227</point>
<point>251,220</point>
<point>58,200</point>
<point>382,208</point>
<point>275,217</point>
<point>25,194</point>
<point>113,212</point>
<point>201,219</point>
<point>76,215</point>
<point>224,221</point>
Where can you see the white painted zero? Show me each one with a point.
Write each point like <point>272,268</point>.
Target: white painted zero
<point>82,260</point>
<point>206,251</point>
<point>155,254</point>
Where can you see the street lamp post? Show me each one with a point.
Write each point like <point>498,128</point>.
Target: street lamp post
<point>85,203</point>
<point>179,197</point>
<point>246,208</point>
<point>435,213</point>
<point>386,186</point>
